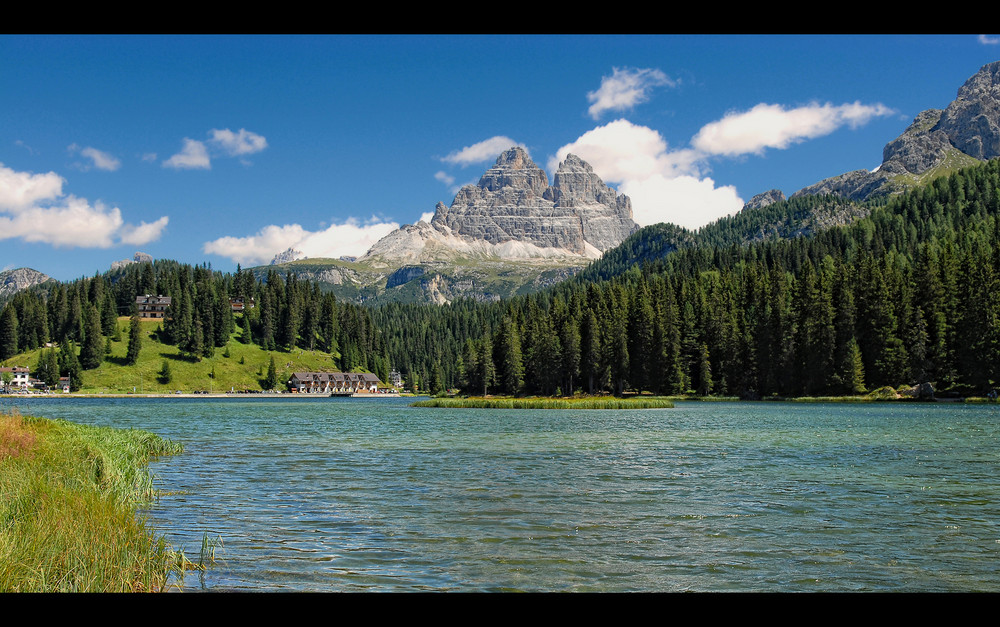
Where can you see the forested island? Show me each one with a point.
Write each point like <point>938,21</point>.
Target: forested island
<point>907,294</point>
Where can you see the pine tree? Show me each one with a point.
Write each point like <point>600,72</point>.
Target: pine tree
<point>92,351</point>
<point>510,367</point>
<point>69,365</point>
<point>271,380</point>
<point>165,375</point>
<point>134,340</point>
<point>8,332</point>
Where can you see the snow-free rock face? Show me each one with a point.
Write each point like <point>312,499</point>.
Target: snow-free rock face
<point>139,257</point>
<point>967,131</point>
<point>513,212</point>
<point>13,281</point>
<point>764,199</point>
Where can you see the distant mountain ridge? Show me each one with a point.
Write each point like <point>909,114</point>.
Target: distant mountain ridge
<point>513,213</point>
<point>13,281</point>
<point>510,232</point>
<point>938,142</point>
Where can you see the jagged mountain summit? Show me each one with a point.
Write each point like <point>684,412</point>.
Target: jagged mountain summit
<point>937,142</point>
<point>139,257</point>
<point>513,213</point>
<point>13,281</point>
<point>511,233</point>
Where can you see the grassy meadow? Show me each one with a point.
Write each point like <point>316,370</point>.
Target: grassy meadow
<point>244,368</point>
<point>68,499</point>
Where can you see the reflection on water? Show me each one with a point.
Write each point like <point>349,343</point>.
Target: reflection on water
<point>352,494</point>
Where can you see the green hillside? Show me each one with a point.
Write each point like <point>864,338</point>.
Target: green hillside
<point>244,369</point>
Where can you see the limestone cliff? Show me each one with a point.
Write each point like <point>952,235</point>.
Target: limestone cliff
<point>513,213</point>
<point>938,141</point>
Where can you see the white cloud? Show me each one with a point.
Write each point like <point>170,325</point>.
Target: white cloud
<point>621,150</point>
<point>427,216</point>
<point>20,190</point>
<point>444,177</point>
<point>624,89</point>
<point>684,200</point>
<point>237,144</point>
<point>664,185</point>
<point>98,158</point>
<point>32,208</point>
<point>349,238</point>
<point>773,126</point>
<point>144,233</point>
<point>990,40</point>
<point>149,156</point>
<point>194,155</point>
<point>486,150</point>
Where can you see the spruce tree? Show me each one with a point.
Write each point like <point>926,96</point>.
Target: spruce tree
<point>271,380</point>
<point>8,332</point>
<point>92,351</point>
<point>134,341</point>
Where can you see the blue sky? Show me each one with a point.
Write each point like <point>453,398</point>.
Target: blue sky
<point>229,149</point>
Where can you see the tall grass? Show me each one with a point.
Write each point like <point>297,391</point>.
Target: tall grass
<point>68,499</point>
<point>548,403</point>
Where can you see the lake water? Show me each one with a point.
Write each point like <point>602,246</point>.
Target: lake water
<point>365,494</point>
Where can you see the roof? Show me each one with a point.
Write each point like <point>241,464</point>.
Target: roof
<point>364,377</point>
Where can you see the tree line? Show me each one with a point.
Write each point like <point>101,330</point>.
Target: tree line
<point>908,294</point>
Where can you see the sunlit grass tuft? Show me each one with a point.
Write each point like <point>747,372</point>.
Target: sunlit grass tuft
<point>68,499</point>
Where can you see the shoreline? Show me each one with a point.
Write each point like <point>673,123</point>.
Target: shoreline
<point>263,395</point>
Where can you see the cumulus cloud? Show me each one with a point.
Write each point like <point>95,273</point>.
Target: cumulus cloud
<point>21,190</point>
<point>624,89</point>
<point>990,40</point>
<point>685,200</point>
<point>348,238</point>
<point>223,142</point>
<point>444,177</point>
<point>486,150</point>
<point>98,158</point>
<point>427,216</point>
<point>664,185</point>
<point>194,156</point>
<point>144,233</point>
<point>670,184</point>
<point>773,126</point>
<point>34,209</point>
<point>237,144</point>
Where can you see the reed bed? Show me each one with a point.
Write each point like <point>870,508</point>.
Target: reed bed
<point>547,403</point>
<point>68,508</point>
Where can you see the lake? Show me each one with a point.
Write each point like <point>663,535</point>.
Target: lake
<point>374,495</point>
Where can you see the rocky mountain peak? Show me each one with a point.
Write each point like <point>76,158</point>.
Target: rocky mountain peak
<point>13,281</point>
<point>972,120</point>
<point>966,131</point>
<point>513,212</point>
<point>288,255</point>
<point>514,168</point>
<point>764,199</point>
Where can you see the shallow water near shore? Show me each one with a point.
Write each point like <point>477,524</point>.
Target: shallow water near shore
<point>374,495</point>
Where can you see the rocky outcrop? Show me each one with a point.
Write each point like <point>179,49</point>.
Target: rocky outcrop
<point>139,257</point>
<point>13,281</point>
<point>513,213</point>
<point>286,256</point>
<point>764,199</point>
<point>972,121</point>
<point>968,130</point>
